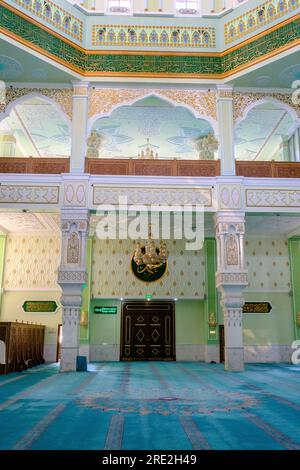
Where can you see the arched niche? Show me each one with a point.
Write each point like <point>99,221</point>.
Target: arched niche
<point>151,127</point>
<point>268,130</point>
<point>34,126</point>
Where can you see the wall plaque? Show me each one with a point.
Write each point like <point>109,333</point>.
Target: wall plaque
<point>148,273</point>
<point>257,307</point>
<point>40,306</point>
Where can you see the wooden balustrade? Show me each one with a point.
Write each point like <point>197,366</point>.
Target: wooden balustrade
<point>21,346</point>
<point>254,169</point>
<point>42,165</point>
<point>144,167</point>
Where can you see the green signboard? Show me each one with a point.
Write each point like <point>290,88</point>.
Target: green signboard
<point>257,307</point>
<point>39,306</point>
<point>106,310</point>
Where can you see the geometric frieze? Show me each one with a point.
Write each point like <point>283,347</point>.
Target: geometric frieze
<point>159,196</point>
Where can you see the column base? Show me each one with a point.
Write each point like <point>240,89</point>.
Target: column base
<point>68,359</point>
<point>234,359</point>
<point>212,353</point>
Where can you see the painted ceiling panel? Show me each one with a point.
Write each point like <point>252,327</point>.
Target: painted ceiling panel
<point>260,135</point>
<point>171,130</point>
<point>39,129</point>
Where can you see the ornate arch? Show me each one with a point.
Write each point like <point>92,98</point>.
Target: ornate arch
<point>60,98</point>
<point>103,101</point>
<point>243,103</point>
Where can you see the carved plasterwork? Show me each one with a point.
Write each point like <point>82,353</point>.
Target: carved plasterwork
<point>23,194</point>
<point>227,94</point>
<point>242,101</point>
<point>232,251</point>
<point>238,278</point>
<point>203,103</point>
<point>62,96</point>
<point>272,197</point>
<point>109,195</point>
<point>75,193</point>
<point>73,250</point>
<point>71,316</point>
<point>230,196</point>
<point>104,100</point>
<point>70,277</point>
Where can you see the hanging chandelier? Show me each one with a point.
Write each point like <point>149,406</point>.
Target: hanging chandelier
<point>150,257</point>
<point>148,150</point>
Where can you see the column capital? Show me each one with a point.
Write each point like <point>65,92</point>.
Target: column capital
<point>224,92</point>
<point>80,89</point>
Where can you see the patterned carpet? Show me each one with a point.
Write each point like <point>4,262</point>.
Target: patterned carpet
<point>151,406</point>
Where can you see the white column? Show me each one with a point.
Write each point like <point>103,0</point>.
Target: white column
<point>226,131</point>
<point>231,280</point>
<point>71,277</point>
<point>285,149</point>
<point>79,126</point>
<point>297,146</point>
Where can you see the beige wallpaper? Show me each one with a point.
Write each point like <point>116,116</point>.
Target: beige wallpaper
<point>267,261</point>
<point>31,262</point>
<point>112,276</point>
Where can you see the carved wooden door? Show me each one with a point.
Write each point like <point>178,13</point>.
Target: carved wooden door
<point>148,331</point>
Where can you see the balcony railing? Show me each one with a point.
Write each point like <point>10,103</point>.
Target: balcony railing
<point>268,169</point>
<point>130,166</point>
<point>43,165</point>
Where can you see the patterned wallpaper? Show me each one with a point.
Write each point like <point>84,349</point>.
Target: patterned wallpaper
<point>267,261</point>
<point>112,276</point>
<point>31,262</point>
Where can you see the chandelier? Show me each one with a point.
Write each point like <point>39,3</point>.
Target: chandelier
<point>150,257</point>
<point>148,151</point>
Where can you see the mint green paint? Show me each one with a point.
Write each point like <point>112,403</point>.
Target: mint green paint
<point>264,329</point>
<point>211,301</point>
<point>294,251</point>
<point>189,322</point>
<point>2,258</point>
<point>86,293</point>
<point>105,328</point>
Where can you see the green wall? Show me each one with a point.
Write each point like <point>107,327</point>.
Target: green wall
<point>2,258</point>
<point>276,327</point>
<point>189,322</point>
<point>86,293</point>
<point>105,328</point>
<point>294,248</point>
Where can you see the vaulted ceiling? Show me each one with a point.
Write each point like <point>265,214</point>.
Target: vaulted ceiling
<point>39,129</point>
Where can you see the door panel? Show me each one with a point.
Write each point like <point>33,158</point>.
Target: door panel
<point>148,331</point>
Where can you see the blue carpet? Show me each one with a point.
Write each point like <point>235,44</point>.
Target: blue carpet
<point>151,406</point>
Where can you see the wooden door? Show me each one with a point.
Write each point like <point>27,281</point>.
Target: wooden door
<point>222,343</point>
<point>148,331</point>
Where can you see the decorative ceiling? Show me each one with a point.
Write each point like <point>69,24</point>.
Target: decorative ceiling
<point>29,223</point>
<point>17,65</point>
<point>279,74</point>
<point>260,135</point>
<point>39,129</point>
<point>171,131</point>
